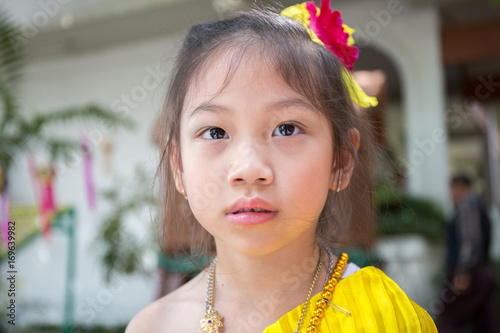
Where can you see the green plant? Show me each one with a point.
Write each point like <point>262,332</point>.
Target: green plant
<point>400,213</point>
<point>121,248</point>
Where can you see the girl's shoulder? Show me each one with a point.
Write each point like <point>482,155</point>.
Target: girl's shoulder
<point>179,311</point>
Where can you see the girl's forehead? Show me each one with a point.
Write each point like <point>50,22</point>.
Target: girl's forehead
<point>221,68</point>
<point>238,72</point>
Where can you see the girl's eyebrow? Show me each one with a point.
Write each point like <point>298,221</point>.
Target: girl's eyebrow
<point>211,107</point>
<point>274,106</point>
<point>291,102</point>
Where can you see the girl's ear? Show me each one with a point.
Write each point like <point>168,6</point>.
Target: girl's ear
<point>176,166</point>
<point>341,175</point>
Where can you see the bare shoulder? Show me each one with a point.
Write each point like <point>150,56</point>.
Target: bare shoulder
<point>180,310</point>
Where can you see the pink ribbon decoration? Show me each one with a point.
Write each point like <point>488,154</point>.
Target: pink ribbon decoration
<point>87,171</point>
<point>47,203</point>
<point>47,193</point>
<point>42,184</point>
<point>5,204</point>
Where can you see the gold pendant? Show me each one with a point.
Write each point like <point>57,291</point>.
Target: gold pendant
<point>211,322</point>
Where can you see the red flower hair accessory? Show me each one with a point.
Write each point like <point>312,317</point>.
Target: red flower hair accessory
<point>325,27</point>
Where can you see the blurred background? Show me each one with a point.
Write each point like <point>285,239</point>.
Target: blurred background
<point>81,85</point>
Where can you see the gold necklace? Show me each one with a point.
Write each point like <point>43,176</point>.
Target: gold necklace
<point>306,304</point>
<point>212,321</point>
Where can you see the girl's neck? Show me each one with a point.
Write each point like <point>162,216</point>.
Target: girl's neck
<point>254,278</point>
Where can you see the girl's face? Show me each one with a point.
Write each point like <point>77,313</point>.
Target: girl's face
<point>257,138</point>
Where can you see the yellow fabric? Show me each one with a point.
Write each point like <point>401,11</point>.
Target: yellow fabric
<point>300,14</point>
<point>376,304</point>
<point>357,94</point>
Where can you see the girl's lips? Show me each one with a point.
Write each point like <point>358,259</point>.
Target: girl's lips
<point>251,218</point>
<point>250,203</point>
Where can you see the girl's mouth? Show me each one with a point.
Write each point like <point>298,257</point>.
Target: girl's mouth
<point>251,216</point>
<point>255,210</point>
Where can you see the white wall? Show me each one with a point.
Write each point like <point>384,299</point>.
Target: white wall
<point>100,76</point>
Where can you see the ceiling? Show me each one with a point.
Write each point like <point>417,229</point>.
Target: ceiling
<point>465,12</point>
<point>75,26</point>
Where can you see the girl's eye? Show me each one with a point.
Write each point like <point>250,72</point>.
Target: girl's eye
<point>287,129</point>
<point>214,133</point>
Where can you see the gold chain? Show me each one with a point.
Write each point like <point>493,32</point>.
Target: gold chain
<point>212,320</point>
<point>318,269</point>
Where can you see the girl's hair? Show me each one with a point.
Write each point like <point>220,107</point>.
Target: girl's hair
<point>308,68</point>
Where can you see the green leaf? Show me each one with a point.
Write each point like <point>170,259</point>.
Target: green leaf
<point>84,113</point>
<point>121,249</point>
<point>61,149</point>
<point>11,53</point>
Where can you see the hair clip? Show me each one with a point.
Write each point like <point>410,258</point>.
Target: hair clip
<point>325,27</point>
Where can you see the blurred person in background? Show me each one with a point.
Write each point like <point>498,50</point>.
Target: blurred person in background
<point>469,294</point>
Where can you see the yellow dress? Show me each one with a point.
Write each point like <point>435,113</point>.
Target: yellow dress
<point>376,304</point>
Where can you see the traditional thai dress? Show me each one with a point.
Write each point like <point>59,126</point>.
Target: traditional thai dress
<point>374,302</point>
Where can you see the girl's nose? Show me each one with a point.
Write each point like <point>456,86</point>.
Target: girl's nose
<point>250,164</point>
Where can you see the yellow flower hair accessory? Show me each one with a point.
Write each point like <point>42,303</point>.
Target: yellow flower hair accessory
<point>326,28</point>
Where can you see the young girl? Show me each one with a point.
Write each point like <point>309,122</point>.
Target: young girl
<point>261,141</point>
